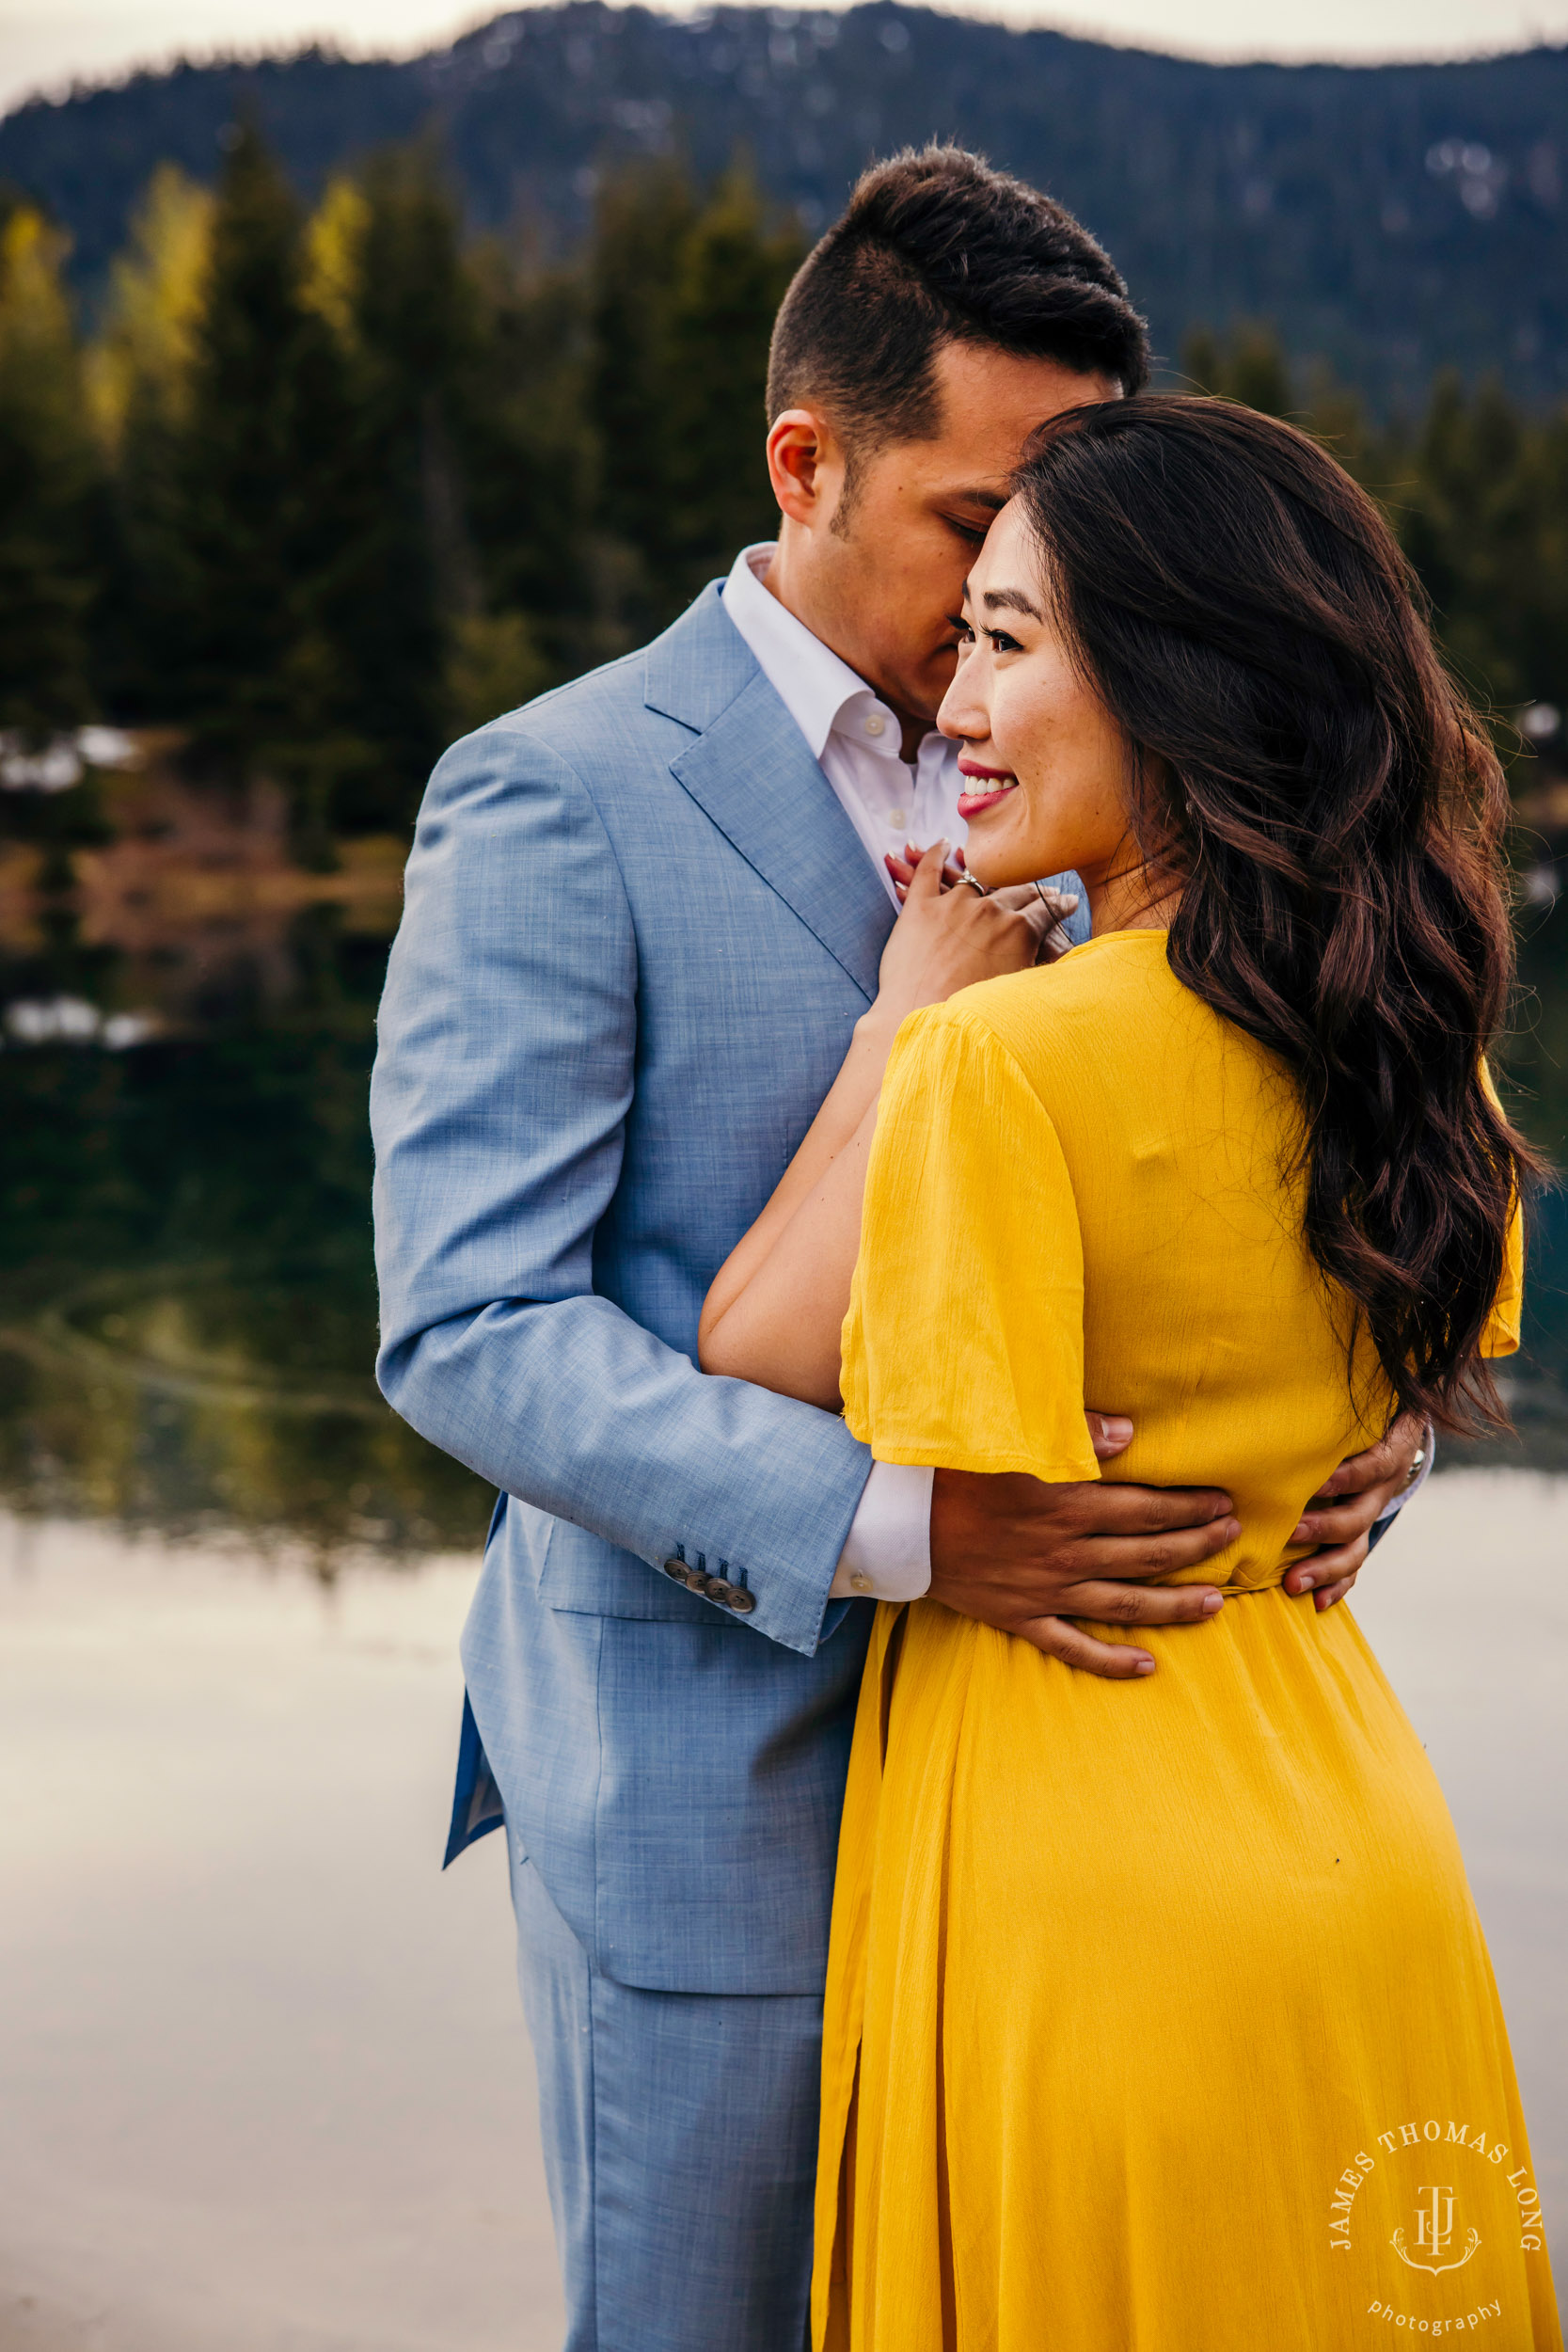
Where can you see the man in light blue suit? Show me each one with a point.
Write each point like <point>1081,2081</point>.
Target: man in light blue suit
<point>643,916</point>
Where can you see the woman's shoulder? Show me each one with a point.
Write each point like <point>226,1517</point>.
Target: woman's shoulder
<point>1108,1017</point>
<point>1123,978</point>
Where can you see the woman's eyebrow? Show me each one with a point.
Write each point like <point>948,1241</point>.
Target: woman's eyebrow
<point>1009,600</point>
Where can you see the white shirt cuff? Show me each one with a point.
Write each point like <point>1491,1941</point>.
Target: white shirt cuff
<point>887,1552</point>
<point>1406,1494</point>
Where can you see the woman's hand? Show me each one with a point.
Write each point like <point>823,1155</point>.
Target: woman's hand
<point>947,937</point>
<point>901,867</point>
<point>773,1312</point>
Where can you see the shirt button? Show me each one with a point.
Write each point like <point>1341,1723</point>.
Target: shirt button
<point>898,816</point>
<point>875,725</point>
<point>860,1582</point>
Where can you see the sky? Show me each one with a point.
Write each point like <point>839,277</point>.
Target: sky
<point>46,43</point>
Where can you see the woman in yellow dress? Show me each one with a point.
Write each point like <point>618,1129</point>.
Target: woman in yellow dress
<point>1235,1166</point>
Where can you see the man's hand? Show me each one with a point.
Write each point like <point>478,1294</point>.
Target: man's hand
<point>1340,1515</point>
<point>1025,1556</point>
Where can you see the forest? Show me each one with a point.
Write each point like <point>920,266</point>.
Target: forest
<point>1389,220</point>
<point>322,485</point>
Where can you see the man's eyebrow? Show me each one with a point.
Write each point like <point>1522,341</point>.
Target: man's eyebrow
<point>992,501</point>
<point>1009,600</point>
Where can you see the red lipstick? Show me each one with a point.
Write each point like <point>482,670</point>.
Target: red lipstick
<point>1001,780</point>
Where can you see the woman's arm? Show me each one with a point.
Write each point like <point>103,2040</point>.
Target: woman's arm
<point>778,1302</point>
<point>828,1206</point>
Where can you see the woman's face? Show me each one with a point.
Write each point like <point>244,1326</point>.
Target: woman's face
<point>1046,766</point>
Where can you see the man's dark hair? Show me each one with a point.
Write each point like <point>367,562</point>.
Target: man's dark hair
<point>936,247</point>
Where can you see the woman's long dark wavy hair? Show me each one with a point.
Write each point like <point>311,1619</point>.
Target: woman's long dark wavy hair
<point>1331,808</point>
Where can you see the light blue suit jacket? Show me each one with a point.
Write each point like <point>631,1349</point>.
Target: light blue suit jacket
<point>639,931</point>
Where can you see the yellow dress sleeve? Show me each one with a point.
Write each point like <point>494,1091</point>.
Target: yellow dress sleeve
<point>964,1346</point>
<point>1502,1336</point>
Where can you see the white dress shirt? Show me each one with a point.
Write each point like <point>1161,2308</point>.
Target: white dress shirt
<point>855,739</point>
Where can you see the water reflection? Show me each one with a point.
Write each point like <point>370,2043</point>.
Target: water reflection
<point>266,2083</point>
<point>187,1306</point>
<point>187,1311</point>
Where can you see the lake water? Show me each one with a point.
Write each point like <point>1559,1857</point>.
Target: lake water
<point>263,2082</point>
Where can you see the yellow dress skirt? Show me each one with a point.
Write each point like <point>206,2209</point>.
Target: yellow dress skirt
<point>1159,2017</point>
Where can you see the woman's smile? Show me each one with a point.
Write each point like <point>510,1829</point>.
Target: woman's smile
<point>994,784</point>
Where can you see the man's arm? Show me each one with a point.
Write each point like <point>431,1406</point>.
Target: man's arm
<point>502,1082</point>
<point>1028,1558</point>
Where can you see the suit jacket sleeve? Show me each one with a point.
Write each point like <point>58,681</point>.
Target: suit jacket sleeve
<point>503,1081</point>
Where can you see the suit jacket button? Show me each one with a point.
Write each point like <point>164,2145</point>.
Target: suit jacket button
<point>741,1602</point>
<point>717,1589</point>
<point>678,1570</point>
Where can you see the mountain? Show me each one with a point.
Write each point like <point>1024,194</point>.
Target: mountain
<point>1390,220</point>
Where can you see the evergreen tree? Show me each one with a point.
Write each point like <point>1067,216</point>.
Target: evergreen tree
<point>265,507</point>
<point>1250,368</point>
<point>239,471</point>
<point>47,477</point>
<point>470,506</point>
<point>408,329</point>
<point>734,269</point>
<point>528,451</point>
<point>683,298</point>
<point>139,376</point>
<point>142,359</point>
<point>640,223</point>
<point>1477,494</point>
<point>1541,627</point>
<point>1468,507</point>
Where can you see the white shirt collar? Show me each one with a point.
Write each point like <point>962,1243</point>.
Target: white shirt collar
<point>809,681</point>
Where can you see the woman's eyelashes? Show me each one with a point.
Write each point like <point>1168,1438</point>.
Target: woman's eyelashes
<point>997,639</point>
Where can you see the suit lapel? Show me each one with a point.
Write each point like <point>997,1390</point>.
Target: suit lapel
<point>750,771</point>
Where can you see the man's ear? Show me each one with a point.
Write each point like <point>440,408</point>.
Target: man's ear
<point>805,465</point>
